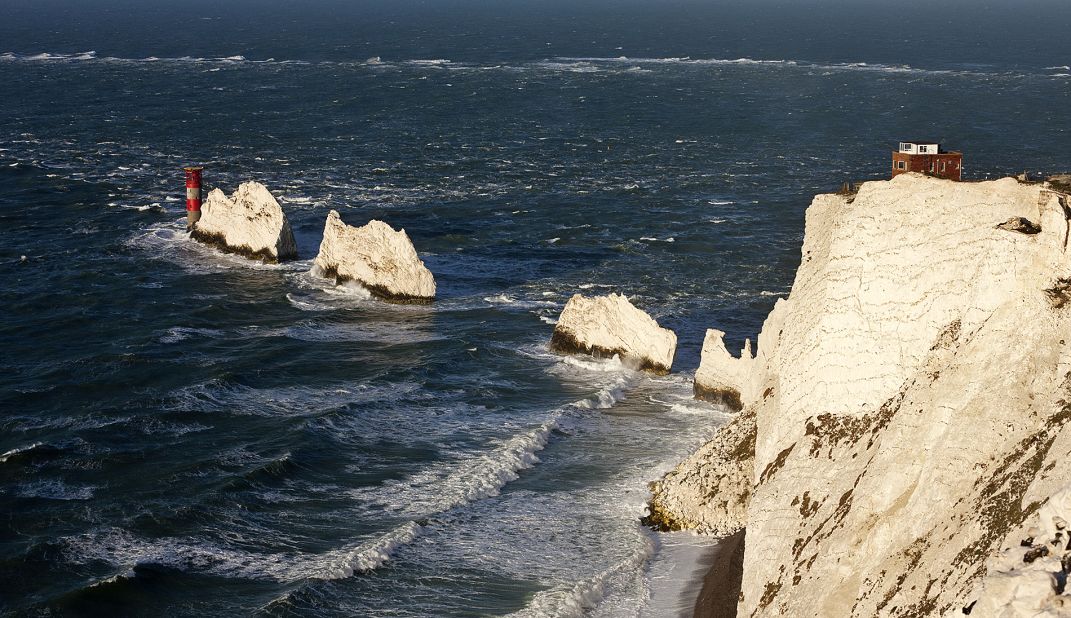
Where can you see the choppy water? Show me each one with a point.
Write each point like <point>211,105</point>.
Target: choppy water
<point>188,432</point>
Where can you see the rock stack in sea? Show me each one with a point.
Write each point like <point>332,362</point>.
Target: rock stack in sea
<point>378,257</point>
<point>905,409</point>
<point>250,222</point>
<point>606,326</point>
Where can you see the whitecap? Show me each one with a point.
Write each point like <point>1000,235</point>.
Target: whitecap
<point>579,599</point>
<point>368,556</point>
<point>181,333</point>
<point>17,451</point>
<point>448,485</point>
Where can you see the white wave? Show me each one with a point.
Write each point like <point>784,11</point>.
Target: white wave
<point>434,62</point>
<point>181,333</point>
<point>349,289</point>
<point>22,449</point>
<point>579,599</point>
<point>307,304</point>
<point>720,202</point>
<point>1063,67</point>
<point>593,64</point>
<point>296,199</point>
<point>500,299</point>
<point>340,564</point>
<point>600,365</point>
<point>769,293</point>
<point>506,300</point>
<point>698,408</point>
<point>548,320</point>
<point>651,239</point>
<point>170,241</point>
<point>123,549</point>
<point>449,485</point>
<point>607,397</point>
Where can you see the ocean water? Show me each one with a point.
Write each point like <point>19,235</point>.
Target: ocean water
<point>185,433</point>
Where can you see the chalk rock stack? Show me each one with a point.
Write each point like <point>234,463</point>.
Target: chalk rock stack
<point>910,401</point>
<point>250,222</point>
<point>378,257</point>
<point>606,326</point>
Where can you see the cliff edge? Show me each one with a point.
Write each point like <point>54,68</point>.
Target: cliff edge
<point>909,402</point>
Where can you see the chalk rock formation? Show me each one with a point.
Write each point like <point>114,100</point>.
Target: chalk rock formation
<point>719,374</point>
<point>249,222</point>
<point>1029,577</point>
<point>910,401</point>
<point>378,257</point>
<point>609,325</point>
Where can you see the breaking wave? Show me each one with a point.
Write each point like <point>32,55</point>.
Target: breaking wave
<point>579,599</point>
<point>125,550</point>
<point>581,64</point>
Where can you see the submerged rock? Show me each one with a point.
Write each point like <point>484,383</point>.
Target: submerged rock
<point>378,257</point>
<point>250,222</point>
<point>605,326</point>
<point>910,402</point>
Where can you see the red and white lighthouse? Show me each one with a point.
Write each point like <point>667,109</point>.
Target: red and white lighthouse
<point>193,195</point>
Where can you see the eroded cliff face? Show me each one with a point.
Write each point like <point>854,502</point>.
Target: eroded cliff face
<point>910,399</point>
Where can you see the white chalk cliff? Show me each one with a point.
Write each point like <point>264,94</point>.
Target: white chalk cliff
<point>250,222</point>
<point>1029,577</point>
<point>378,257</point>
<point>904,410</point>
<point>606,326</point>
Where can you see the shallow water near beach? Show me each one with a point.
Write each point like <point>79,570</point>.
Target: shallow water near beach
<point>187,432</point>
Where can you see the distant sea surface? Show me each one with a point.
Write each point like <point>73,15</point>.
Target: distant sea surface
<point>189,433</point>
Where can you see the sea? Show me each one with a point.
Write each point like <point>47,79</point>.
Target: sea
<point>189,433</point>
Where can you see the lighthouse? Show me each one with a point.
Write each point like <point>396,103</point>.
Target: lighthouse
<point>193,195</point>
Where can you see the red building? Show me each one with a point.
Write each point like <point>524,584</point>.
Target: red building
<point>927,158</point>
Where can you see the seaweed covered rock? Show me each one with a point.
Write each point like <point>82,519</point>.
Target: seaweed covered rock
<point>378,257</point>
<point>606,326</point>
<point>250,222</point>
